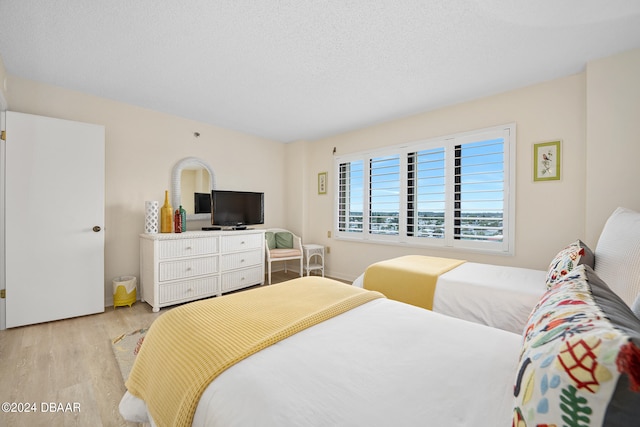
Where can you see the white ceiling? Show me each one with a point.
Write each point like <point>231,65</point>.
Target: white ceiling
<point>299,69</point>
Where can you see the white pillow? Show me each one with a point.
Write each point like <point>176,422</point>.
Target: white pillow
<point>618,254</point>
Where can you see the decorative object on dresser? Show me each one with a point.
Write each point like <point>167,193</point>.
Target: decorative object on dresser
<point>183,218</point>
<point>151,213</point>
<point>166,215</point>
<point>176,268</point>
<point>177,222</point>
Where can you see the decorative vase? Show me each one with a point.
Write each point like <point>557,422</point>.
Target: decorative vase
<point>166,215</point>
<point>177,221</point>
<point>183,219</point>
<point>151,216</point>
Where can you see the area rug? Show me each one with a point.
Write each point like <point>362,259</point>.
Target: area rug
<point>125,348</point>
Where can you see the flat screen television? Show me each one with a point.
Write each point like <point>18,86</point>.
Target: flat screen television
<point>202,203</point>
<point>236,208</point>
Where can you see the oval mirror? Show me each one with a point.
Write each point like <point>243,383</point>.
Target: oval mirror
<point>191,176</point>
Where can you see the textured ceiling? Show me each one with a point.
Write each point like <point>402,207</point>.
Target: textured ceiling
<point>301,70</point>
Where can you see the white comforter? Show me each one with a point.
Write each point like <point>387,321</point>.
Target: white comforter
<point>384,363</point>
<point>493,295</point>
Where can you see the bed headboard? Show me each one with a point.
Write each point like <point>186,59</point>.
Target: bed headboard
<point>617,254</point>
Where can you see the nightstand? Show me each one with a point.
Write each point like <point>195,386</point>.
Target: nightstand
<point>314,255</point>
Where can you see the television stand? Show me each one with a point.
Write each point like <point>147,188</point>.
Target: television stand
<point>211,228</point>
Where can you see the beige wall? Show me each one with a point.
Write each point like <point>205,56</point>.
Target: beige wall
<point>3,91</point>
<point>141,149</point>
<point>594,113</point>
<point>295,189</point>
<point>613,138</point>
<point>548,214</point>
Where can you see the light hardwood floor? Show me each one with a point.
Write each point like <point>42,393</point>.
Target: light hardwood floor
<point>71,362</point>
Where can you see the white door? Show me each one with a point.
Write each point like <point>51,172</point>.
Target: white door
<point>54,215</point>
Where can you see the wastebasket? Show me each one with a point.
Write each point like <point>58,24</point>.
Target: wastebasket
<point>124,291</point>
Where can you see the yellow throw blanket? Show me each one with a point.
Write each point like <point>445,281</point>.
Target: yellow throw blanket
<point>410,279</point>
<point>189,346</point>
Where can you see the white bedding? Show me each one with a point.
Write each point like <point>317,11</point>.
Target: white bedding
<point>384,363</point>
<point>492,295</point>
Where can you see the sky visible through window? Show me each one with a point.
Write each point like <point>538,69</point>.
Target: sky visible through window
<point>453,191</point>
<point>482,161</point>
<point>478,193</point>
<point>483,175</point>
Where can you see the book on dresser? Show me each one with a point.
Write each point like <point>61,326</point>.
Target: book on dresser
<point>181,267</point>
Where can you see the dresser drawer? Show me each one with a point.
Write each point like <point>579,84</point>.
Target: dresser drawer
<point>242,259</point>
<point>242,278</point>
<point>188,290</point>
<point>180,269</point>
<point>241,242</point>
<point>187,247</point>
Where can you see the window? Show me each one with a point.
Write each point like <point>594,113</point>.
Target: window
<point>455,191</point>
<point>351,197</point>
<point>384,190</point>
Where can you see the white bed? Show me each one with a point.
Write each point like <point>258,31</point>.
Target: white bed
<point>492,295</point>
<point>360,368</point>
<point>389,363</point>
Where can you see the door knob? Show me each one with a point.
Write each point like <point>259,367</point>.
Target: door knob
<point>96,228</point>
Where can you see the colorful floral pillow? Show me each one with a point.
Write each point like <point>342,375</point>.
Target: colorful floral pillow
<point>567,259</point>
<point>580,361</point>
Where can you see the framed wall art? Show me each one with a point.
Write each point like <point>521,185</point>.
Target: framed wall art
<point>322,183</point>
<point>546,161</point>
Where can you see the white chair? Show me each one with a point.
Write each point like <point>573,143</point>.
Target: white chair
<point>282,245</point>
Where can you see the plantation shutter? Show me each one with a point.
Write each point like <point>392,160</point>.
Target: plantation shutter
<point>350,197</point>
<point>384,195</point>
<point>426,197</point>
<point>479,183</point>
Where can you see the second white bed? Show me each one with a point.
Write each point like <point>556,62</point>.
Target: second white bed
<point>493,295</point>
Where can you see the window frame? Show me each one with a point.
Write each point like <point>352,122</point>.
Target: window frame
<point>504,247</point>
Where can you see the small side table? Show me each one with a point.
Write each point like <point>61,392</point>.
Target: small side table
<point>314,255</point>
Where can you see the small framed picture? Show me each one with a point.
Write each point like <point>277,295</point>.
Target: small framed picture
<point>546,161</point>
<point>322,183</point>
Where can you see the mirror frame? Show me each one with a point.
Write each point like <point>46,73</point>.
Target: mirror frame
<point>176,174</point>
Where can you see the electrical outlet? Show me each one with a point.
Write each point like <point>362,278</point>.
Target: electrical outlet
<point>327,249</point>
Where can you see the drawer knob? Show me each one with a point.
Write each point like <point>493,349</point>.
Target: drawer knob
<point>242,260</point>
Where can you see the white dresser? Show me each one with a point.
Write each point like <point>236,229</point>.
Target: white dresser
<point>181,267</point>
